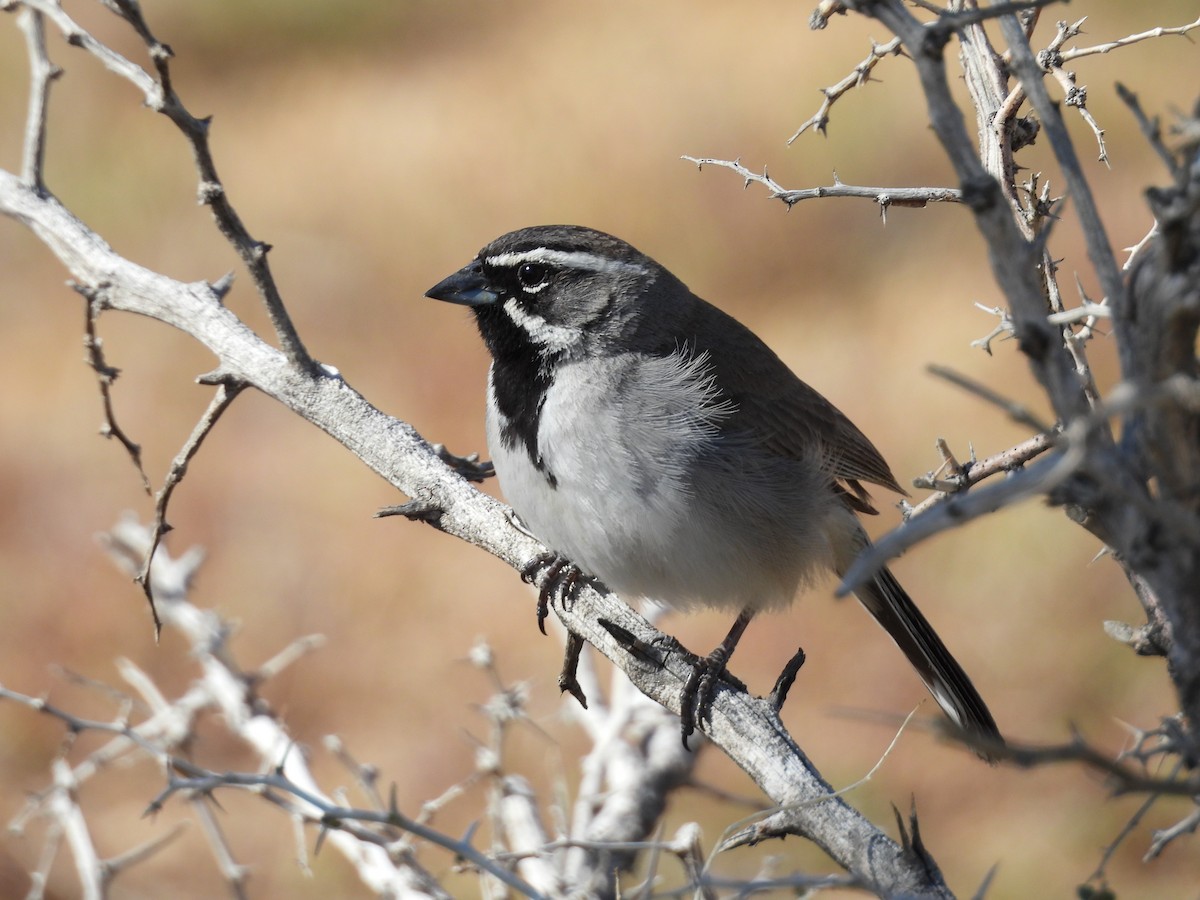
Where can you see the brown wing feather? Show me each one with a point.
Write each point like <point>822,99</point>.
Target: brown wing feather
<point>787,416</point>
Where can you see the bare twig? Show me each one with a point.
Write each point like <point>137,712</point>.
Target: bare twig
<point>41,74</point>
<point>1164,836</point>
<point>858,77</point>
<point>883,197</point>
<point>76,36</point>
<point>1076,97</point>
<point>958,18</point>
<point>225,687</point>
<point>1098,246</point>
<point>1004,328</point>
<point>1152,132</point>
<point>975,471</point>
<point>105,376</point>
<point>226,393</point>
<point>64,807</point>
<point>1040,478</point>
<point>1016,411</point>
<point>365,774</point>
<point>114,866</point>
<point>1080,52</point>
<point>234,873</point>
<point>1074,341</point>
<point>1123,778</point>
<point>161,97</point>
<point>1051,60</point>
<point>1031,481</point>
<point>1099,875</point>
<point>288,656</point>
<point>1087,312</point>
<point>779,821</point>
<point>314,808</point>
<point>41,874</point>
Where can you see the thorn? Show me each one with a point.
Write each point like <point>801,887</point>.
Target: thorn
<point>221,286</point>
<point>643,650</point>
<point>415,511</point>
<point>786,679</point>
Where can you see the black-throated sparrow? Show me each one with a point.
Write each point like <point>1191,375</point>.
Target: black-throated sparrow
<point>659,445</point>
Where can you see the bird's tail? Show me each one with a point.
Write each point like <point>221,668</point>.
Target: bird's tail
<point>892,608</point>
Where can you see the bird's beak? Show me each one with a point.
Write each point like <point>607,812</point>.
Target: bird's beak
<point>467,286</point>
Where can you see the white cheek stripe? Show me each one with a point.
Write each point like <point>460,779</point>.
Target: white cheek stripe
<point>552,337</point>
<point>576,259</point>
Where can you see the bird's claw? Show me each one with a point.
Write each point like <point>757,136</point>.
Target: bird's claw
<point>470,467</point>
<point>695,702</point>
<point>556,576</point>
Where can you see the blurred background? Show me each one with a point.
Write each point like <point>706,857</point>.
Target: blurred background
<point>377,147</point>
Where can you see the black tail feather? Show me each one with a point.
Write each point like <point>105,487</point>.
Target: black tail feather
<point>892,608</point>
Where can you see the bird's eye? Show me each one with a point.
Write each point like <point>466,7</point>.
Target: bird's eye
<point>532,275</point>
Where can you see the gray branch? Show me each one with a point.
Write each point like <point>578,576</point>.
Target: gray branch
<point>746,728</point>
<point>1104,484</point>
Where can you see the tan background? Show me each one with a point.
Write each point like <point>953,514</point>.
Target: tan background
<point>378,146</point>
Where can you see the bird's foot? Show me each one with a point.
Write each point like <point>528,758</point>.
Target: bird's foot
<point>556,577</point>
<point>695,702</point>
<point>470,467</point>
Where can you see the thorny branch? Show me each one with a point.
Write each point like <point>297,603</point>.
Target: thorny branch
<point>1067,56</point>
<point>106,375</point>
<point>1152,131</point>
<point>41,74</point>
<point>227,391</point>
<point>637,760</point>
<point>857,78</point>
<point>745,727</point>
<point>884,197</point>
<point>1042,478</point>
<point>161,97</point>
<point>1018,412</point>
<point>748,730</point>
<point>224,687</point>
<point>1124,778</point>
<point>953,477</point>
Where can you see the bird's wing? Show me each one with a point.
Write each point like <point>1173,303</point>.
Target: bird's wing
<point>784,415</point>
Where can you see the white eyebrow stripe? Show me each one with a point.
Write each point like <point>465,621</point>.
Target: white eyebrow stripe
<point>575,259</point>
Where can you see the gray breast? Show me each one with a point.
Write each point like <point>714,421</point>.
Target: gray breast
<point>652,495</point>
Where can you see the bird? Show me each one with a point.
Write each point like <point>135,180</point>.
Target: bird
<point>657,444</point>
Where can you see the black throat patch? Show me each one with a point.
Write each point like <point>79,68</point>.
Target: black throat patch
<point>521,375</point>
